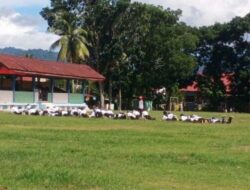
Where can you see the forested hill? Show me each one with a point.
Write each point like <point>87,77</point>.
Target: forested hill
<point>36,53</point>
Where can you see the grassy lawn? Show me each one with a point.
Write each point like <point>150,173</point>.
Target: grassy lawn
<point>95,154</point>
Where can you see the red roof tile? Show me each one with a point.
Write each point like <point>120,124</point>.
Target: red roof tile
<point>191,88</point>
<point>42,68</point>
<point>226,79</point>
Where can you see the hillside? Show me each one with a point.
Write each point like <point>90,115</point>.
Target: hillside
<point>36,53</point>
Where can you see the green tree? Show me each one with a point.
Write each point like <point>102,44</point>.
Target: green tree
<point>136,46</point>
<point>168,48</point>
<point>223,49</point>
<point>72,42</point>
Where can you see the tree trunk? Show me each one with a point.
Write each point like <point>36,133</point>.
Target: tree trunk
<point>101,88</point>
<point>120,99</point>
<point>110,91</point>
<point>73,86</point>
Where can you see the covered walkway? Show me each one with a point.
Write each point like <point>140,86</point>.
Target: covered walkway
<point>30,80</point>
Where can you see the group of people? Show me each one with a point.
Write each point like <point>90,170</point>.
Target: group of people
<point>81,111</point>
<point>84,111</point>
<point>53,110</point>
<point>168,116</point>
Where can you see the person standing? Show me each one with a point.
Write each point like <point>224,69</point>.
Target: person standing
<point>141,105</point>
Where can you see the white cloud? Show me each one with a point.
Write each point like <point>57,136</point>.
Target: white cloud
<point>22,32</point>
<point>28,40</point>
<point>205,12</point>
<point>35,40</point>
<point>23,3</point>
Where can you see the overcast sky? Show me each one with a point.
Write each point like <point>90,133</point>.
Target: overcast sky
<point>21,25</point>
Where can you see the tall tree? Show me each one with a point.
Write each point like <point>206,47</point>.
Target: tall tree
<point>72,42</point>
<point>167,47</point>
<point>136,46</point>
<point>224,49</point>
<point>209,57</point>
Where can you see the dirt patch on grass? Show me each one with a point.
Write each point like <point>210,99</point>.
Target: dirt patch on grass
<point>243,149</point>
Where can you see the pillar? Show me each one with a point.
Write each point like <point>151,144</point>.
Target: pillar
<point>14,87</point>
<point>34,88</point>
<point>52,84</point>
<point>83,90</point>
<point>68,89</point>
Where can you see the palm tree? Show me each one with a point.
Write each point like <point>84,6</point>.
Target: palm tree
<point>72,43</point>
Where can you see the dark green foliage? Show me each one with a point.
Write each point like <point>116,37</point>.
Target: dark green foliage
<point>136,46</point>
<point>224,49</point>
<point>140,47</point>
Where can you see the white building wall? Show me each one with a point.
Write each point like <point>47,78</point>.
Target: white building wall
<point>36,96</point>
<point>6,97</point>
<point>60,98</point>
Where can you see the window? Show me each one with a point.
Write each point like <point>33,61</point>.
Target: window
<point>5,82</point>
<point>76,86</point>
<point>60,86</point>
<point>24,84</point>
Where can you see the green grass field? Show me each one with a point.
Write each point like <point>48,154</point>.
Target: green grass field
<point>71,153</point>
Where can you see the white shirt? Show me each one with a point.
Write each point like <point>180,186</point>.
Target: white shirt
<point>164,117</point>
<point>145,113</point>
<point>141,104</point>
<point>130,114</point>
<point>214,120</point>
<point>170,116</point>
<point>184,118</point>
<point>136,113</point>
<point>195,118</point>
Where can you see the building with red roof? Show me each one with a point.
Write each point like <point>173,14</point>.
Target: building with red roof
<point>30,80</point>
<point>192,96</point>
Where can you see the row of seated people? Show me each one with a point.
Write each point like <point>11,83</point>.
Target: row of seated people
<point>53,110</point>
<point>84,111</point>
<point>134,115</point>
<point>168,116</point>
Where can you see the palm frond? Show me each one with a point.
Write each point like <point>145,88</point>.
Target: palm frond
<point>73,43</point>
<point>58,32</point>
<point>84,40</point>
<point>55,45</point>
<point>63,25</point>
<point>82,49</point>
<point>63,53</point>
<point>80,31</point>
